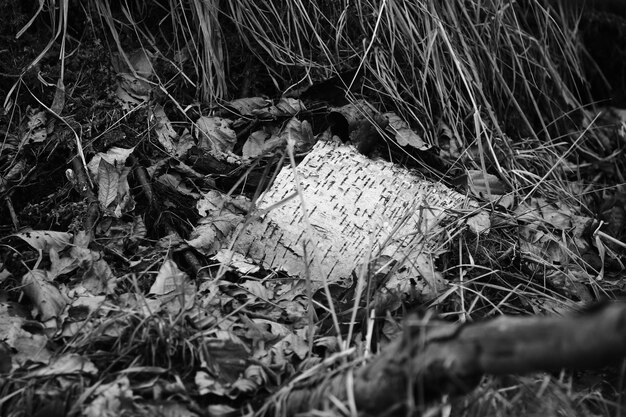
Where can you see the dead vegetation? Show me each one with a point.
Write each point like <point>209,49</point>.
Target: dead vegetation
<point>263,208</point>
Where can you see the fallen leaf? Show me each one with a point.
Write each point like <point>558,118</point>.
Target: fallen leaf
<point>403,133</point>
<point>245,106</point>
<point>483,184</point>
<point>115,156</point>
<point>110,399</point>
<point>169,279</point>
<point>98,278</point>
<point>68,364</point>
<point>108,181</point>
<point>215,134</point>
<point>45,296</point>
<point>253,146</point>
<point>44,240</point>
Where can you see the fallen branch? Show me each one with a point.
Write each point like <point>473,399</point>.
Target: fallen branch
<point>432,359</point>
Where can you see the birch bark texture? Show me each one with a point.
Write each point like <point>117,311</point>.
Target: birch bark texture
<point>348,210</point>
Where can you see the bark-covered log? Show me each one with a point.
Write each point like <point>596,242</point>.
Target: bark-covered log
<point>432,359</point>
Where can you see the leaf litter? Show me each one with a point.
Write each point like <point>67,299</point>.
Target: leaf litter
<point>294,227</point>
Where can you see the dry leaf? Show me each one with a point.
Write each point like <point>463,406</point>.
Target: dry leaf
<point>44,240</point>
<point>215,134</point>
<point>45,296</point>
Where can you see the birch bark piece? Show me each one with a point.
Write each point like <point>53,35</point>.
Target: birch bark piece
<point>357,209</point>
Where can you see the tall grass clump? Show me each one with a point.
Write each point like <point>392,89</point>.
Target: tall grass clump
<point>482,70</point>
<point>498,81</point>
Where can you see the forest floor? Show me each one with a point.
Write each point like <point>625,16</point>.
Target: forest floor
<point>163,256</point>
